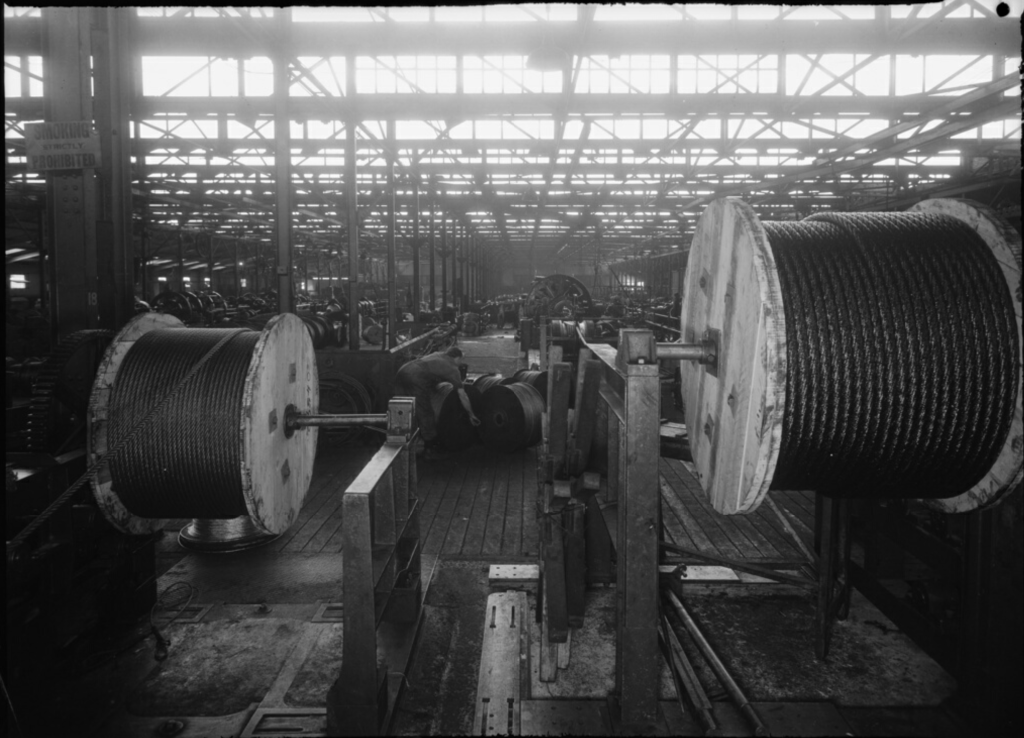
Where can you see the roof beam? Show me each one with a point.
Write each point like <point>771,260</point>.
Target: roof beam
<point>195,36</point>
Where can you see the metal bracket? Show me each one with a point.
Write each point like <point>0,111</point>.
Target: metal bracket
<point>636,347</point>
<point>401,419</point>
<point>711,340</point>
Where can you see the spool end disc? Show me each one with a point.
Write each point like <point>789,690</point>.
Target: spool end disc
<point>735,410</point>
<point>276,468</point>
<point>97,422</point>
<point>1005,243</point>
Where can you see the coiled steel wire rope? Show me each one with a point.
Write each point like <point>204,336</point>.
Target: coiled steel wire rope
<point>902,355</point>
<point>189,463</point>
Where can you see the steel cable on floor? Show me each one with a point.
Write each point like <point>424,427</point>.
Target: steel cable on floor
<point>189,463</point>
<point>902,355</point>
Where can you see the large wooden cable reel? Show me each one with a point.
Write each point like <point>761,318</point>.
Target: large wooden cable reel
<point>735,408</point>
<point>276,465</point>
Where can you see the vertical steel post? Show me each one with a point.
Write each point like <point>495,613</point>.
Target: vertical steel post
<point>352,193</point>
<point>72,194</point>
<point>283,164</point>
<point>393,311</point>
<point>238,284</point>
<point>444,261</point>
<point>143,262</point>
<point>456,279</point>
<point>432,250</point>
<point>114,246</point>
<point>180,275</point>
<point>416,287</point>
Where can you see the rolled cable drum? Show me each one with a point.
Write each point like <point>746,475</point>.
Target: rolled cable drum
<point>512,417</point>
<point>861,355</point>
<point>219,449</point>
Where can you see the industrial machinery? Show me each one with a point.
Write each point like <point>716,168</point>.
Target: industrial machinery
<point>557,295</point>
<point>829,355</point>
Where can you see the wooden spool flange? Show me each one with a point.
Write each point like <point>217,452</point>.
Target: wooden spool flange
<point>1005,243</point>
<point>734,411</point>
<point>276,464</point>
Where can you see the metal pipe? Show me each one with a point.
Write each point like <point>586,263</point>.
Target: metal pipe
<point>717,666</point>
<point>700,352</point>
<point>295,420</point>
<point>756,570</point>
<point>413,341</point>
<point>685,677</point>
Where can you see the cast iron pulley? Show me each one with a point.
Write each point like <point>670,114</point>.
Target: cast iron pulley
<point>173,303</point>
<point>557,296</point>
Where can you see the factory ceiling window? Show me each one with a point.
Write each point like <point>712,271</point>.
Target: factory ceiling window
<point>318,76</point>
<point>23,76</point>
<point>189,76</point>
<point>728,73</point>
<point>837,74</point>
<point>405,74</point>
<point>506,74</point>
<point>18,282</point>
<point>941,74</point>
<point>628,73</point>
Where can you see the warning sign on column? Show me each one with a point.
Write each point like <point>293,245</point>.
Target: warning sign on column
<point>66,145</point>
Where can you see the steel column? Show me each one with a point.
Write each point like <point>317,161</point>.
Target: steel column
<point>393,311</point>
<point>283,164</point>
<point>456,280</point>
<point>416,290</point>
<point>114,245</point>
<point>71,194</point>
<point>433,286</point>
<point>180,273</point>
<point>352,200</point>
<point>444,261</point>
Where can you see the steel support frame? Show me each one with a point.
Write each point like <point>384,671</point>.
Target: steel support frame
<point>381,581</point>
<point>631,390</point>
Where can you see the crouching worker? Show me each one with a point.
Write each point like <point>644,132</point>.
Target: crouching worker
<point>419,378</point>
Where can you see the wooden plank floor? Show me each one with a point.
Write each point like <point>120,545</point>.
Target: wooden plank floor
<point>475,504</point>
<point>691,522</point>
<point>481,504</point>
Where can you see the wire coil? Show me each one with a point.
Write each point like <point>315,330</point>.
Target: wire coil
<point>511,417</point>
<point>189,464</point>
<point>902,344</point>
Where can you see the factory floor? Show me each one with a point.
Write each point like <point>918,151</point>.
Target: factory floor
<point>255,640</point>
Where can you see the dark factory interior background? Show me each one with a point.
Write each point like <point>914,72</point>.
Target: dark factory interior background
<point>731,443</point>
